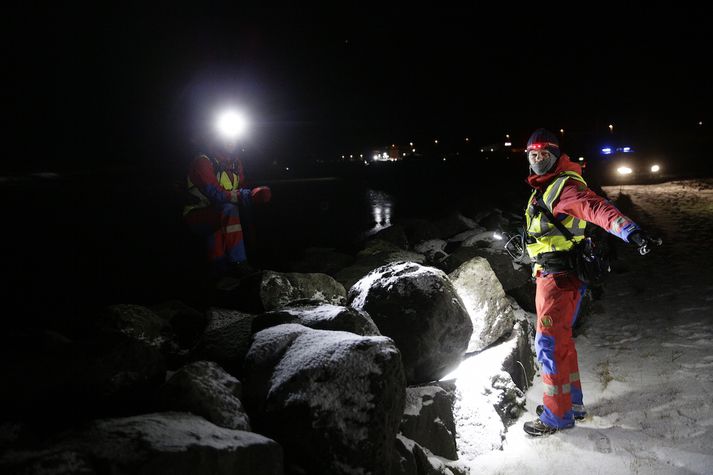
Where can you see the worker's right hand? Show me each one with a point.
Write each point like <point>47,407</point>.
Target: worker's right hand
<point>643,241</point>
<point>261,194</point>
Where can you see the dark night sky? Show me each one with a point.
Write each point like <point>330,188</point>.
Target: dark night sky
<point>140,82</point>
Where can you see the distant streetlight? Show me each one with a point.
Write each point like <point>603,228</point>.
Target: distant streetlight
<point>467,139</point>
<point>700,122</point>
<point>436,141</point>
<point>611,128</point>
<point>562,131</point>
<point>507,136</point>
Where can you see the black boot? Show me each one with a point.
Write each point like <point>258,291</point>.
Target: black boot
<point>538,428</point>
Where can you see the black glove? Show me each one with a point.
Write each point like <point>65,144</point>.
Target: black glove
<point>643,241</point>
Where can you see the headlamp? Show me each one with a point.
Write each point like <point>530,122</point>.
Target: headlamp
<point>231,124</point>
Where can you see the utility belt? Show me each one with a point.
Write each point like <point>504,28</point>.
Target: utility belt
<point>557,261</point>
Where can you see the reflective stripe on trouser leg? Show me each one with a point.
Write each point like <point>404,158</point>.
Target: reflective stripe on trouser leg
<point>556,301</point>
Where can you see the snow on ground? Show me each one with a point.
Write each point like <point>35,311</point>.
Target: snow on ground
<point>646,355</point>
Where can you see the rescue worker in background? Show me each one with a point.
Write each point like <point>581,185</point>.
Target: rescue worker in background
<point>558,181</point>
<point>217,189</point>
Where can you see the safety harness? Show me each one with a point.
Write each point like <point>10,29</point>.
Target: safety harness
<point>549,239</point>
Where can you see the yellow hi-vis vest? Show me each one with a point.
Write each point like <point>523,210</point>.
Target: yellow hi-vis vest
<point>542,233</point>
<point>223,177</point>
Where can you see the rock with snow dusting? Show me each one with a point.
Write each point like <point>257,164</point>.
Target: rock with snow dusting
<point>333,400</point>
<point>420,309</point>
<point>320,317</point>
<point>484,299</point>
<point>162,443</point>
<point>277,289</point>
<point>205,389</point>
<point>515,279</point>
<point>424,461</point>
<point>428,420</point>
<point>226,339</point>
<point>270,290</point>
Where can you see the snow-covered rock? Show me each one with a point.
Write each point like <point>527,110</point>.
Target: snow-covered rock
<point>485,301</point>
<point>420,309</point>
<point>334,400</point>
<point>161,443</point>
<point>320,317</point>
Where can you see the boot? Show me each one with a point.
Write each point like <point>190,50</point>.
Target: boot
<point>578,409</point>
<point>538,428</point>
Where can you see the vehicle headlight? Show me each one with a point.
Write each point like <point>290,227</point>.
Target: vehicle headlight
<point>624,170</point>
<point>655,168</point>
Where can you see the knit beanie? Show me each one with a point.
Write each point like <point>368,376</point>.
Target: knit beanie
<point>544,139</point>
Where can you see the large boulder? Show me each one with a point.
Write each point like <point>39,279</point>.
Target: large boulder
<point>420,309</point>
<point>320,317</point>
<point>484,299</point>
<point>161,443</point>
<point>332,399</point>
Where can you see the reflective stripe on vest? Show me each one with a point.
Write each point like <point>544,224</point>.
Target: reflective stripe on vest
<point>546,235</point>
<point>224,180</point>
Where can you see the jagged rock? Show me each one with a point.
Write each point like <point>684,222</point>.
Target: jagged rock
<point>205,389</point>
<point>404,460</point>
<point>226,339</point>
<point>426,463</point>
<point>418,307</point>
<point>486,303</point>
<point>342,394</point>
<point>428,420</point>
<point>162,443</point>
<point>320,317</point>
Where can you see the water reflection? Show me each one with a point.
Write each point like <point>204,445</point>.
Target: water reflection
<point>381,205</point>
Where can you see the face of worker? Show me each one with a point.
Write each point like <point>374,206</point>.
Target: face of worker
<point>229,146</point>
<point>541,160</point>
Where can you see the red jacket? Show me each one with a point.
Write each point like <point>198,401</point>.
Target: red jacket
<point>577,200</point>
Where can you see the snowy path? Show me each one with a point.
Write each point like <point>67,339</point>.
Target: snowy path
<point>646,355</point>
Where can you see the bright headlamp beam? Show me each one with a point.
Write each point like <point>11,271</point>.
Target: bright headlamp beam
<point>231,124</point>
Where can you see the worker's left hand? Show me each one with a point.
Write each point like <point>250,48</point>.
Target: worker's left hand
<point>644,242</point>
<point>261,194</point>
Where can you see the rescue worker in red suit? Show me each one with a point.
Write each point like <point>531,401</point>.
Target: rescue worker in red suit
<point>558,181</point>
<point>216,185</point>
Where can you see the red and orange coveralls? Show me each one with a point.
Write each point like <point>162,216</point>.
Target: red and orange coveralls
<point>559,293</point>
<point>214,185</point>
